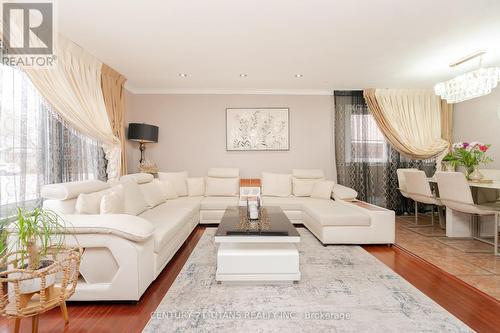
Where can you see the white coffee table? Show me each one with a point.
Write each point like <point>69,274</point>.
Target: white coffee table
<point>257,251</point>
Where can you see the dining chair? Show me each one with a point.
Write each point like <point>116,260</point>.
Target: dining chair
<point>419,190</point>
<point>402,181</point>
<point>455,193</point>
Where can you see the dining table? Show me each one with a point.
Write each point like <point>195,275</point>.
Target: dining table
<point>458,225</point>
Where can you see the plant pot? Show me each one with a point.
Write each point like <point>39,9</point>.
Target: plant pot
<point>449,167</point>
<point>30,286</point>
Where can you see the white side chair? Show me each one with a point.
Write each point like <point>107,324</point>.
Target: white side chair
<point>455,193</point>
<point>419,190</point>
<point>402,181</point>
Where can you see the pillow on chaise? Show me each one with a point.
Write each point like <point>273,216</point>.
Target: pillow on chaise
<point>196,186</point>
<point>341,192</point>
<point>178,179</point>
<point>322,190</point>
<point>303,187</point>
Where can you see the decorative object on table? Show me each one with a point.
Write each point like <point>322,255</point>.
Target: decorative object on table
<point>469,85</point>
<point>253,208</point>
<point>257,129</point>
<point>469,155</point>
<point>148,166</point>
<point>40,271</point>
<point>142,133</point>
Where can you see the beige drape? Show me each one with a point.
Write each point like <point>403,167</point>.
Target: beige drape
<point>409,119</point>
<point>113,92</point>
<point>446,121</point>
<point>73,88</point>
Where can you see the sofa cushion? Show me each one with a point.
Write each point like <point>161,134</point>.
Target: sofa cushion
<point>71,190</point>
<point>139,178</point>
<point>222,186</point>
<point>224,173</point>
<point>322,190</point>
<point>167,220</point>
<point>276,185</point>
<point>168,190</point>
<point>112,201</point>
<point>218,203</point>
<point>308,173</point>
<point>285,203</point>
<point>334,213</point>
<point>133,198</point>
<point>89,203</point>
<point>152,193</point>
<point>303,187</point>
<point>178,179</point>
<point>196,186</point>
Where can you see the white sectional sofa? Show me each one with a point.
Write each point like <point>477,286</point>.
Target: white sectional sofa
<point>131,229</point>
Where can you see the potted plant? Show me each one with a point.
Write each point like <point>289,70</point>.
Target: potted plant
<point>450,162</point>
<point>30,235</point>
<point>470,156</point>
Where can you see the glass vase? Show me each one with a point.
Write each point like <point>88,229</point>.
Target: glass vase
<point>473,174</point>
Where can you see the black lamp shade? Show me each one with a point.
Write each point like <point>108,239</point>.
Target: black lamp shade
<point>142,132</point>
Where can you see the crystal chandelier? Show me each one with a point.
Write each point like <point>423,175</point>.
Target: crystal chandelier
<point>469,85</point>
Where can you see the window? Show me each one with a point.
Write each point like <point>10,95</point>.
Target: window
<point>367,142</point>
<point>364,140</point>
<point>36,147</point>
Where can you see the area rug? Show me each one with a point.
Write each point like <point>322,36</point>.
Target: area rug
<point>343,289</point>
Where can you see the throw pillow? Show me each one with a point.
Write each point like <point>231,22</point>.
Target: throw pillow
<point>133,198</point>
<point>276,185</point>
<point>303,187</point>
<point>322,190</point>
<point>89,203</point>
<point>168,190</point>
<point>153,194</point>
<point>222,187</point>
<point>112,202</point>
<point>178,179</point>
<point>196,186</point>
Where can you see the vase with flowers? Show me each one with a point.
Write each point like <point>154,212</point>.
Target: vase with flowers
<point>470,156</point>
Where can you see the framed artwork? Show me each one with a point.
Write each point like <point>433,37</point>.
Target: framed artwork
<point>257,129</point>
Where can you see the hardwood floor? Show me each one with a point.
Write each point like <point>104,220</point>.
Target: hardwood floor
<point>104,317</point>
<point>476,309</point>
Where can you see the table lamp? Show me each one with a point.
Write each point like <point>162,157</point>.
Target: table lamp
<point>142,133</point>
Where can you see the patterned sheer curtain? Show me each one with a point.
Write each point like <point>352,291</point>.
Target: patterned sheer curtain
<point>365,160</point>
<point>36,147</point>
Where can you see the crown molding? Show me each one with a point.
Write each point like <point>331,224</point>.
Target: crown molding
<point>315,92</point>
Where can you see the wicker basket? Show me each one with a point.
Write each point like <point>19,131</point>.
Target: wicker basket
<point>57,283</point>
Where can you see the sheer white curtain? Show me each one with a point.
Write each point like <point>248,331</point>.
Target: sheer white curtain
<point>36,147</point>
<point>73,88</point>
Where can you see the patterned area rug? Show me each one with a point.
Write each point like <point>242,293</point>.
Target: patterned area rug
<point>343,289</point>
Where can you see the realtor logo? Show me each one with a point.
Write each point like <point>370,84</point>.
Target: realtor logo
<point>28,33</point>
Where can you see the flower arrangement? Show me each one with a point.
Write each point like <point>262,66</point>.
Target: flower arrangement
<point>469,155</point>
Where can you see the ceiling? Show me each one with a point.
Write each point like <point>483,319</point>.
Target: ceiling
<point>333,44</point>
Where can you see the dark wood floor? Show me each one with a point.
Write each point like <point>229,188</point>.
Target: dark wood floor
<point>476,309</point>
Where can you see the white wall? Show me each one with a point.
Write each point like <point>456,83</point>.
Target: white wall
<point>192,133</point>
<point>478,119</point>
